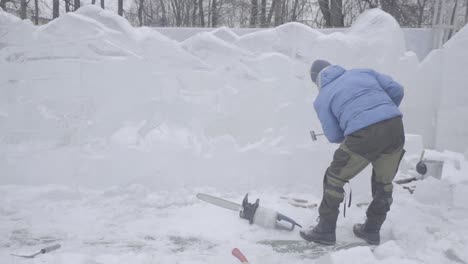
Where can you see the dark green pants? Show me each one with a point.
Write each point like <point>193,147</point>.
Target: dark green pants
<point>380,144</point>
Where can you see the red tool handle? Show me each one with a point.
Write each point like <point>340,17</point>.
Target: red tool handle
<point>238,254</point>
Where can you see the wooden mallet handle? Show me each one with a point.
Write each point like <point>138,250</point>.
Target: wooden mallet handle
<point>238,254</point>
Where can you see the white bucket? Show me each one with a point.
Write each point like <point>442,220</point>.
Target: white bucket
<point>434,168</point>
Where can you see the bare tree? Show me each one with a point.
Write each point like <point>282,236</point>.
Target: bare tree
<point>120,7</point>
<point>186,14</point>
<point>3,4</point>
<point>234,13</point>
<point>201,13</point>
<point>164,20</point>
<point>177,10</point>
<point>140,12</point>
<point>325,8</point>
<point>272,8</point>
<point>332,12</point>
<point>253,13</point>
<point>278,7</point>
<point>194,13</point>
<point>368,3</point>
<point>393,8</point>
<point>36,12</point>
<point>67,5</point>
<point>23,8</point>
<point>299,9</point>
<point>263,13</point>
<point>336,13</point>
<point>452,19</point>
<point>466,12</point>
<point>294,10</point>
<point>209,13</point>
<point>214,13</point>
<point>389,6</point>
<point>55,9</point>
<point>421,8</point>
<point>410,13</point>
<point>283,13</point>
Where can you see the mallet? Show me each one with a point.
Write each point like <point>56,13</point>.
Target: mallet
<point>314,136</point>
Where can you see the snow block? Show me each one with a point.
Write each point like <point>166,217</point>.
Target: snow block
<point>452,131</point>
<point>432,191</point>
<point>459,195</point>
<point>413,144</point>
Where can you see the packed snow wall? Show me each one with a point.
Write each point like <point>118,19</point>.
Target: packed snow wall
<point>418,40</point>
<point>88,99</point>
<point>452,117</point>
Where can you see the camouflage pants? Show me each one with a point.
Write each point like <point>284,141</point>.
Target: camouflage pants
<point>381,145</point>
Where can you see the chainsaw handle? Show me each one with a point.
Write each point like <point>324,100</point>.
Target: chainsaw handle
<point>50,248</point>
<point>238,254</point>
<point>282,217</point>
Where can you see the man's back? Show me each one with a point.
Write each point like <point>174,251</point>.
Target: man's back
<point>350,100</point>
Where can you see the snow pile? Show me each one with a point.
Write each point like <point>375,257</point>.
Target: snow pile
<point>438,230</point>
<point>14,31</point>
<point>79,108</point>
<point>109,95</point>
<point>225,34</point>
<point>375,40</point>
<point>214,50</point>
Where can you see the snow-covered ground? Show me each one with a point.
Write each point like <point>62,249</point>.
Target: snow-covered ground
<point>133,224</point>
<point>107,132</point>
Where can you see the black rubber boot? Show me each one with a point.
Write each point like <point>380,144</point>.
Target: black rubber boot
<point>323,233</point>
<point>376,213</point>
<point>369,231</point>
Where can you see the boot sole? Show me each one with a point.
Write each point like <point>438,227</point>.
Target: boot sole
<point>372,242</point>
<point>325,243</point>
<point>322,242</point>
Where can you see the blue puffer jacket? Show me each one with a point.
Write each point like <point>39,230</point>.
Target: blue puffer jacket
<point>349,100</point>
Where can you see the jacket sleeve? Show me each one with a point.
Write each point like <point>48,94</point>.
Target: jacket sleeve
<point>330,125</point>
<point>391,87</point>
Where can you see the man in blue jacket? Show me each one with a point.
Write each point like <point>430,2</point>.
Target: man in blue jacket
<point>357,108</point>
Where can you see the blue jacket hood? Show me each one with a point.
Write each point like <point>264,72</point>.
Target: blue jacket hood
<point>329,74</point>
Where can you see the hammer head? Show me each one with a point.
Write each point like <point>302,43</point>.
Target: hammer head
<point>313,135</point>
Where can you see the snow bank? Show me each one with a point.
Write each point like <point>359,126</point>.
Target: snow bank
<point>108,101</point>
<point>225,34</point>
<point>375,40</point>
<point>210,48</point>
<point>381,38</point>
<point>14,31</point>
